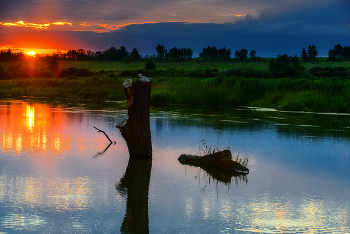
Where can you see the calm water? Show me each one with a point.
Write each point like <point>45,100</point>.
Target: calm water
<point>58,176</point>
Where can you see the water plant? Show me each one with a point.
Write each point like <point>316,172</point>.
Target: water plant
<point>203,147</point>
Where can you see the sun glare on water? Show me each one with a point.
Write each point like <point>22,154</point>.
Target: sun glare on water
<point>31,53</point>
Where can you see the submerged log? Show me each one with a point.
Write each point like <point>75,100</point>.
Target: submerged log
<point>221,159</point>
<point>136,129</point>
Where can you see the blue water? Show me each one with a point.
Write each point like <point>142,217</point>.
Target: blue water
<point>56,175</point>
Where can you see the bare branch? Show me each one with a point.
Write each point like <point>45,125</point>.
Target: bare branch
<point>105,135</point>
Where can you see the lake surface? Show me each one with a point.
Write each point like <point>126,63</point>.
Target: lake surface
<point>59,175</point>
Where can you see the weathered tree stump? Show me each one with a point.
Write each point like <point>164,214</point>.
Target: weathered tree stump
<point>136,129</point>
<point>221,159</point>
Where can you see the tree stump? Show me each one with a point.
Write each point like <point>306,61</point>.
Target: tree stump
<point>136,129</point>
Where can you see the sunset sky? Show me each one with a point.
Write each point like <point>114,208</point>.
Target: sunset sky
<point>270,27</point>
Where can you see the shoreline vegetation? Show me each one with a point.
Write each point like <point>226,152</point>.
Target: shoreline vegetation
<point>284,83</point>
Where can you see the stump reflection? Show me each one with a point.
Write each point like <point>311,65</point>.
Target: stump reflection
<point>135,184</point>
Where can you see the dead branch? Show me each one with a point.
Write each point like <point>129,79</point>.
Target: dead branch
<point>99,130</point>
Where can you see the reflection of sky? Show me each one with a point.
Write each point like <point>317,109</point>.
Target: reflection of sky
<point>49,179</point>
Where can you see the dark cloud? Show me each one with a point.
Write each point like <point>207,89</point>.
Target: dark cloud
<point>270,27</point>
<point>267,39</point>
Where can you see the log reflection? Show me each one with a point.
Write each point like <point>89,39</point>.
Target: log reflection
<point>135,184</point>
<point>221,175</point>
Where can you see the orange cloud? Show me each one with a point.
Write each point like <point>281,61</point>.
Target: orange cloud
<point>33,25</point>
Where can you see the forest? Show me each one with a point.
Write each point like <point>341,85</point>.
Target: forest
<point>337,53</point>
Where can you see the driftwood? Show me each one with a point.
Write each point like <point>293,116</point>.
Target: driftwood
<point>221,159</point>
<point>136,129</point>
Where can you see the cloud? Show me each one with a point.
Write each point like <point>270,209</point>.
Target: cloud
<point>270,27</point>
<point>121,12</point>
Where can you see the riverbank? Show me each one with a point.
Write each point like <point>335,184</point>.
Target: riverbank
<point>208,83</point>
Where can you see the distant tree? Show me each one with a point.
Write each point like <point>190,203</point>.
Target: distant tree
<point>304,55</point>
<point>188,53</point>
<point>111,54</point>
<point>346,53</point>
<point>209,53</point>
<point>90,54</point>
<point>161,51</point>
<point>122,52</point>
<point>72,54</point>
<point>99,55</point>
<point>213,52</point>
<point>81,54</point>
<point>135,55</point>
<point>312,52</point>
<point>224,53</point>
<point>242,54</point>
<point>336,53</point>
<point>252,55</point>
<point>338,49</point>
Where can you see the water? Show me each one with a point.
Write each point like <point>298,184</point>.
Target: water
<point>58,176</point>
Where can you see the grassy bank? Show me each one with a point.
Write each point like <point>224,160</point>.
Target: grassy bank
<point>194,83</point>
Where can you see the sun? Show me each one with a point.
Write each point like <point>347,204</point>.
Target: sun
<point>31,53</point>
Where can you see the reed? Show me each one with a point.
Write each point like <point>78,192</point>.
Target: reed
<point>321,88</point>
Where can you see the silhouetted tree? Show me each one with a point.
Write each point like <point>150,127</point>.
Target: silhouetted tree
<point>189,53</point>
<point>135,55</point>
<point>111,54</point>
<point>312,52</point>
<point>336,52</point>
<point>252,55</point>
<point>304,55</point>
<point>224,53</point>
<point>242,54</point>
<point>72,54</point>
<point>161,51</point>
<point>122,52</point>
<point>346,53</point>
<point>213,52</point>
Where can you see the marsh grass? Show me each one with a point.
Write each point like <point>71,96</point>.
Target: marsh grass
<point>214,83</point>
<point>203,148</point>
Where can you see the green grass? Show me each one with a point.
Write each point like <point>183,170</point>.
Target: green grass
<point>217,83</point>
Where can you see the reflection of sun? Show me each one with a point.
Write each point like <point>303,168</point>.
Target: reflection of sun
<point>31,53</point>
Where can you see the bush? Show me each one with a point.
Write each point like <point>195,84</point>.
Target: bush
<point>4,75</point>
<point>329,72</point>
<point>126,60</point>
<point>45,73</point>
<point>126,73</point>
<point>26,72</point>
<point>53,64</point>
<point>285,66</point>
<point>150,65</point>
<point>82,72</point>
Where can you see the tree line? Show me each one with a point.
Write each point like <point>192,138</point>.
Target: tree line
<point>337,53</point>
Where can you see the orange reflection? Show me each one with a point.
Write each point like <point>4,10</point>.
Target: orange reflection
<point>40,128</point>
<point>33,127</point>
